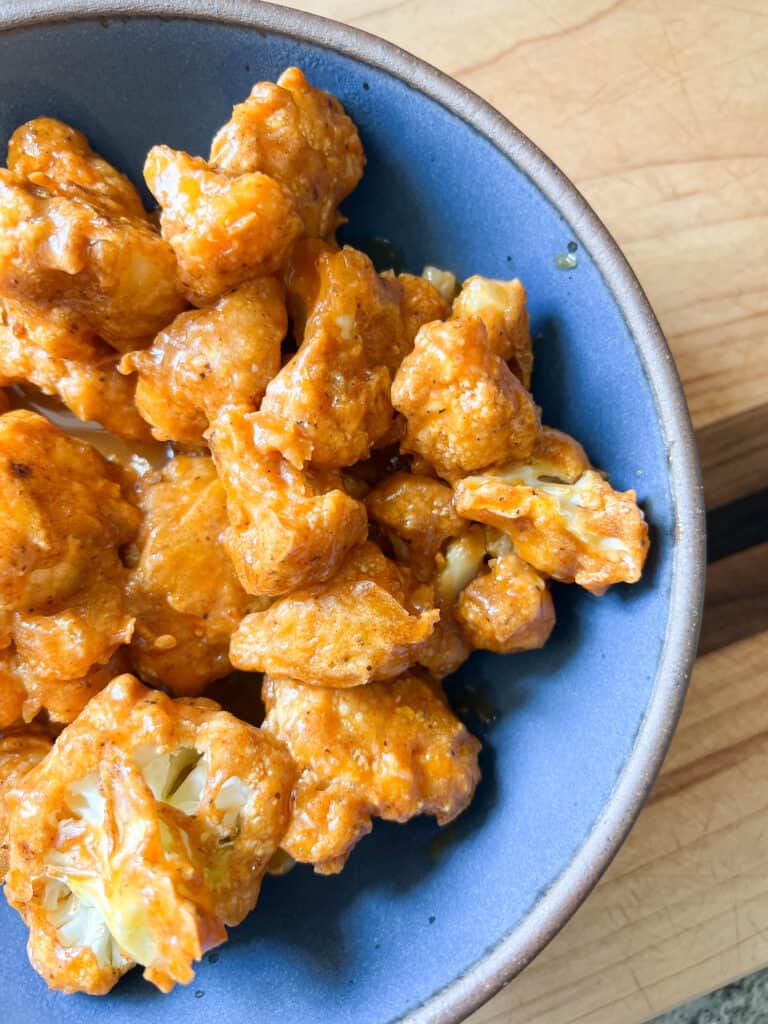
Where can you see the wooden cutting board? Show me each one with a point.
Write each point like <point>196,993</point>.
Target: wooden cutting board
<point>658,111</point>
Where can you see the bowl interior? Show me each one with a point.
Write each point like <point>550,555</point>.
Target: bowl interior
<point>412,911</point>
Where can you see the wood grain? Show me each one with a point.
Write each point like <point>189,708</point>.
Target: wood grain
<point>734,455</point>
<point>657,111</point>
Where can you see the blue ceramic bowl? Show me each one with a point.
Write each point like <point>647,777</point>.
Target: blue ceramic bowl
<point>419,928</point>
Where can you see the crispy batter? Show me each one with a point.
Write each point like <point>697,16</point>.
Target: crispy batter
<point>224,230</point>
<point>49,349</point>
<point>346,632</point>
<point>147,828</point>
<point>64,518</point>
<point>506,609</point>
<point>421,304</point>
<point>209,358</point>
<point>330,403</point>
<point>183,588</point>
<point>465,409</point>
<point>392,749</point>
<point>115,273</point>
<point>59,158</point>
<point>285,531</point>
<point>501,307</point>
<point>570,525</point>
<point>417,515</point>
<point>302,138</point>
<point>302,280</point>
<point>19,752</point>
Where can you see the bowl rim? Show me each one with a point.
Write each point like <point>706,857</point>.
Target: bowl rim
<point>496,966</point>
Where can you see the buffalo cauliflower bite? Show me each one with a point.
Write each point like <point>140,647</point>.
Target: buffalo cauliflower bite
<point>563,517</point>
<point>182,587</point>
<point>64,517</point>
<point>301,137</point>
<point>51,350</point>
<point>59,158</point>
<point>417,516</point>
<point>421,303</point>
<point>287,528</point>
<point>20,751</point>
<point>501,307</point>
<point>392,750</point>
<point>209,358</point>
<point>224,230</point>
<point>145,831</point>
<point>112,272</point>
<point>506,609</point>
<point>330,403</point>
<point>356,627</point>
<point>464,408</point>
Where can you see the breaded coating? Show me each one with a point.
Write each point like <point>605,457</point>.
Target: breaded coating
<point>465,409</point>
<point>421,304</point>
<point>4,401</point>
<point>183,588</point>
<point>20,751</point>
<point>285,531</point>
<point>224,230</point>
<point>391,750</point>
<point>146,829</point>
<point>301,137</point>
<point>356,627</point>
<point>506,609</point>
<point>61,580</point>
<point>209,358</point>
<point>417,515</point>
<point>501,307</point>
<point>49,349</point>
<point>62,511</point>
<point>59,158</point>
<point>115,273</point>
<point>563,517</point>
<point>330,403</point>
<point>61,655</point>
<point>302,280</point>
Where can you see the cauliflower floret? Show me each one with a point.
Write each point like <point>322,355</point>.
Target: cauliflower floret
<point>224,230</point>
<point>464,407</point>
<point>48,348</point>
<point>444,281</point>
<point>182,587</point>
<point>391,749</point>
<point>145,831</point>
<point>417,516</point>
<point>564,518</point>
<point>61,580</point>
<point>302,138</point>
<point>501,307</point>
<point>506,609</point>
<point>115,273</point>
<point>20,751</point>
<point>330,403</point>
<point>346,632</point>
<point>209,358</point>
<point>59,158</point>
<point>287,529</point>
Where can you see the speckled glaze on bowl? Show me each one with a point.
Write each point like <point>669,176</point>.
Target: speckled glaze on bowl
<point>415,929</point>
